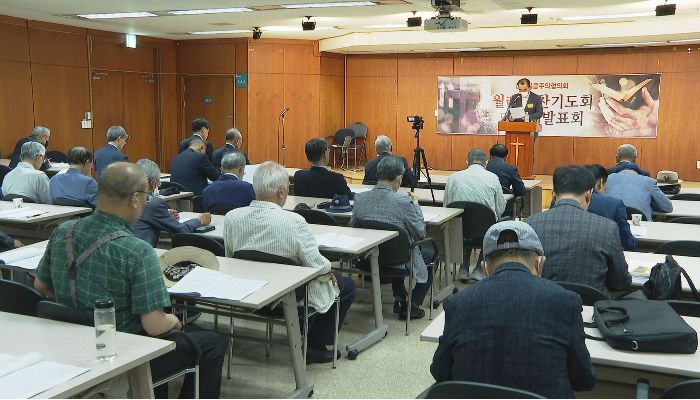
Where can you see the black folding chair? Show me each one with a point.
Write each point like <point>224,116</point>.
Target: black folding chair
<point>476,221</point>
<point>686,196</point>
<point>341,143</point>
<point>176,185</point>
<point>4,170</point>
<point>682,390</point>
<point>60,312</point>
<point>57,156</point>
<point>517,212</point>
<point>317,217</point>
<point>688,248</point>
<point>685,220</point>
<point>26,199</point>
<point>18,298</point>
<point>62,201</point>
<point>474,390</point>
<point>222,209</point>
<point>588,294</point>
<point>632,210</point>
<point>196,240</point>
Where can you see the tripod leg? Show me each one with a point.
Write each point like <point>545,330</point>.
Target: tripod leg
<point>427,174</point>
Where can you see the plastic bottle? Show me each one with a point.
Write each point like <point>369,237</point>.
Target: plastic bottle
<point>105,329</point>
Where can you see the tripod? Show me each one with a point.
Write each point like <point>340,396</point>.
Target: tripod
<point>418,155</point>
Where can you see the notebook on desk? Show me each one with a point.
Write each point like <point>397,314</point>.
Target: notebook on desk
<point>25,376</point>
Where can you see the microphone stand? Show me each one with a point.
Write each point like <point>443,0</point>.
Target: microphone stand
<point>282,116</point>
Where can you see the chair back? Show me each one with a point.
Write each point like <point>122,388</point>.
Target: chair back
<point>222,209</point>
<point>686,196</point>
<point>18,298</point>
<point>688,308</point>
<point>196,240</point>
<point>632,210</point>
<point>60,312</point>
<point>474,390</point>
<point>173,184</point>
<point>341,134</point>
<point>476,219</point>
<point>360,129</point>
<point>685,220</point>
<point>62,201</point>
<point>394,251</point>
<point>317,217</point>
<point>4,170</point>
<point>11,196</point>
<point>197,203</point>
<point>588,294</point>
<point>683,390</point>
<point>255,255</point>
<point>690,248</point>
<point>57,156</point>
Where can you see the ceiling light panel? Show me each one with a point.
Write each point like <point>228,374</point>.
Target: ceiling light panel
<point>220,32</point>
<point>335,4</point>
<point>210,11</point>
<point>623,44</point>
<point>118,15</point>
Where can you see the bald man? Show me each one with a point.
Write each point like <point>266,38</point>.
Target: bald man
<point>125,269</point>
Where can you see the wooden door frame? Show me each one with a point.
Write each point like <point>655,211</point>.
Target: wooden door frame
<point>183,133</point>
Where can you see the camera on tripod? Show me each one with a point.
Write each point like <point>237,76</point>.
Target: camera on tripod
<point>417,121</point>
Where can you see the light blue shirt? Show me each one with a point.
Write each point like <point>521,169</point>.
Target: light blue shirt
<point>640,192</point>
<point>75,186</point>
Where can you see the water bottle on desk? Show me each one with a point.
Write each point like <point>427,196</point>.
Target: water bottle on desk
<point>527,117</point>
<point>105,329</point>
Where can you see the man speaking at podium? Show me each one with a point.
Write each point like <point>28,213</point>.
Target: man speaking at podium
<point>532,102</point>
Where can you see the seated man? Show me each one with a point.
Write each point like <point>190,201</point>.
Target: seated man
<point>384,204</point>
<point>113,150</point>
<point>509,328</point>
<point>626,159</point>
<point>581,247</point>
<point>76,183</point>
<point>230,189</point>
<point>125,269</point>
<point>156,216</point>
<point>266,227</point>
<point>319,181</point>
<point>383,146</point>
<point>39,134</point>
<point>638,191</point>
<point>476,184</point>
<point>507,174</point>
<point>7,243</point>
<point>234,140</point>
<point>26,179</point>
<point>192,168</point>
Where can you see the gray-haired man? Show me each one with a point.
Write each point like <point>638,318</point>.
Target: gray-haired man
<point>234,141</point>
<point>229,189</point>
<point>39,134</point>
<point>626,159</point>
<point>112,152</point>
<point>384,147</point>
<point>26,179</point>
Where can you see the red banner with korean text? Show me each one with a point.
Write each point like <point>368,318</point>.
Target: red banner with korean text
<point>572,105</point>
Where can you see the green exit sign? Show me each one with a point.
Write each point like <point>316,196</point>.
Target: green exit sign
<point>208,100</point>
<point>242,80</point>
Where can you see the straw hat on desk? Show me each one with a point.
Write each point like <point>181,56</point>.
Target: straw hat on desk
<point>176,263</point>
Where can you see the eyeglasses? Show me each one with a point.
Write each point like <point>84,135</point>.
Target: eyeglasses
<point>149,196</point>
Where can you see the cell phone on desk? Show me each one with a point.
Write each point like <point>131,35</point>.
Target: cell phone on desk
<point>203,229</point>
<point>323,204</point>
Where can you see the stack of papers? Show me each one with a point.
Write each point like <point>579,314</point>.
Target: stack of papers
<point>24,257</point>
<point>209,283</point>
<point>337,241</point>
<point>21,213</point>
<point>639,269</point>
<point>22,377</point>
<point>638,231</point>
<point>429,217</point>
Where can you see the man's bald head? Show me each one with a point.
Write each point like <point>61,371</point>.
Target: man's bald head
<point>120,180</point>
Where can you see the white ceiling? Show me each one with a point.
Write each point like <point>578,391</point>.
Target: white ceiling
<point>491,23</point>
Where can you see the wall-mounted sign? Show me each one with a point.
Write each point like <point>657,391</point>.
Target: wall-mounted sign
<point>242,80</point>
<point>208,100</point>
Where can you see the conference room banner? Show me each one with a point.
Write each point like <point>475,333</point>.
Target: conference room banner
<point>573,105</point>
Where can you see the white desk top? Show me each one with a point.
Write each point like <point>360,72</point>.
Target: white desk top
<point>424,195</point>
<point>177,196</point>
<point>292,171</point>
<point>54,212</point>
<point>5,161</point>
<point>687,365</point>
<point>682,208</point>
<point>372,237</point>
<point>662,232</point>
<point>444,214</point>
<point>690,264</point>
<point>75,345</point>
<point>442,180</point>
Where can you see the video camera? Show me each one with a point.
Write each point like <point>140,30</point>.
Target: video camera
<point>417,121</point>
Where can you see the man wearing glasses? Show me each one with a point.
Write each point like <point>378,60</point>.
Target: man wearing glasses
<point>112,152</point>
<point>26,179</point>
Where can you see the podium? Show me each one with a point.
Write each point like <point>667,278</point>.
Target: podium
<point>520,140</point>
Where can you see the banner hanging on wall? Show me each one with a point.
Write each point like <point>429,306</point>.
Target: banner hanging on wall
<point>573,105</point>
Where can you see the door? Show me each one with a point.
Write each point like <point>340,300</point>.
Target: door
<point>210,98</point>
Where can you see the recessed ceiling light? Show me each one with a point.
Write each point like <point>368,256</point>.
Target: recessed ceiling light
<point>336,4</point>
<point>385,26</point>
<point>294,28</point>
<point>210,11</point>
<point>609,16</point>
<point>118,15</point>
<point>621,44</point>
<point>220,32</point>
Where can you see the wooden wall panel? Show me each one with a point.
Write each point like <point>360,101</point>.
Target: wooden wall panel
<point>265,102</point>
<point>16,108</point>
<point>241,116</point>
<point>674,61</point>
<point>61,98</point>
<point>544,65</point>
<point>207,58</point>
<point>170,138</point>
<point>423,67</point>
<point>461,145</point>
<point>483,65</point>
<point>107,106</point>
<point>373,100</point>
<point>115,56</point>
<point>300,59</point>
<point>58,48</point>
<point>14,45</point>
<point>333,66</point>
<point>332,105</point>
<point>265,58</point>
<point>551,152</point>
<point>140,117</point>
<point>372,67</point>
<point>302,96</point>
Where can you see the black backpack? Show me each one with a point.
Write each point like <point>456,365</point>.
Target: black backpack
<point>665,281</point>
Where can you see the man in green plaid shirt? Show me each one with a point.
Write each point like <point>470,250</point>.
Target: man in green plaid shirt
<point>110,262</point>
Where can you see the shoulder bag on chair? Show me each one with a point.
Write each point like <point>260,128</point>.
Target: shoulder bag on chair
<point>643,325</point>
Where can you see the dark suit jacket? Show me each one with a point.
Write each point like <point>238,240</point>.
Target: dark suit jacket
<point>371,170</point>
<point>320,182</point>
<point>185,144</point>
<point>581,247</point>
<point>533,108</point>
<point>156,218</point>
<point>624,165</point>
<point>220,153</point>
<point>228,190</point>
<point>14,159</point>
<point>517,330</point>
<point>508,175</point>
<point>191,170</point>
<point>107,155</point>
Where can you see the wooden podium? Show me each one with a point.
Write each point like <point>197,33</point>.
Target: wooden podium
<point>520,140</point>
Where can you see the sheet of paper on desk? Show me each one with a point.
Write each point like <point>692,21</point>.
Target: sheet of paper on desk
<point>20,254</point>
<point>236,289</point>
<point>59,165</point>
<point>638,231</point>
<point>341,242</point>
<point>429,217</point>
<point>28,375</point>
<point>359,190</point>
<point>249,172</point>
<point>199,281</point>
<point>21,213</point>
<point>325,237</point>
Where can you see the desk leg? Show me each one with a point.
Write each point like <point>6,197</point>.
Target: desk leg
<point>140,382</point>
<point>380,328</point>
<point>304,388</point>
<point>450,288</point>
